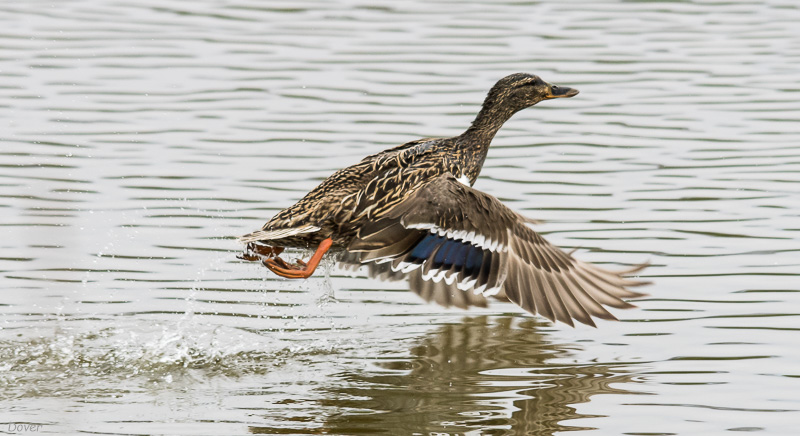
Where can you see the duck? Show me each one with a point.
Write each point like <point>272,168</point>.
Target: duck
<point>411,211</point>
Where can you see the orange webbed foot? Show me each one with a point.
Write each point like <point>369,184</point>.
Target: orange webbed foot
<point>253,252</point>
<point>303,270</point>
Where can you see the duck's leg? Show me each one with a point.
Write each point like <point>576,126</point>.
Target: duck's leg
<point>304,271</point>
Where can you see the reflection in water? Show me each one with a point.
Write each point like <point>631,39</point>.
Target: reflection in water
<point>483,373</point>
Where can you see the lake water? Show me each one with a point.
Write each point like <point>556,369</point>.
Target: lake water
<point>138,138</point>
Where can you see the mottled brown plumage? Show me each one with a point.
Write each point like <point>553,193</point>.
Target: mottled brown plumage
<point>411,210</point>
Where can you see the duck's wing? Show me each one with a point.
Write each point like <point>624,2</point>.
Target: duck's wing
<point>448,232</point>
<point>439,292</point>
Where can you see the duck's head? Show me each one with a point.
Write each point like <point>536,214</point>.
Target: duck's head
<point>510,95</point>
<point>521,90</point>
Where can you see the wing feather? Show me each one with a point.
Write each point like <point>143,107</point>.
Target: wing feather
<point>460,245</point>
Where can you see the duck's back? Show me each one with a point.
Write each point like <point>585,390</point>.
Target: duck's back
<point>336,206</point>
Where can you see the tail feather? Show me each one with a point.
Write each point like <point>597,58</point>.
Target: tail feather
<point>274,234</point>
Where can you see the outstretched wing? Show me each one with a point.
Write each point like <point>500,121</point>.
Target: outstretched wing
<point>448,232</point>
<point>439,292</point>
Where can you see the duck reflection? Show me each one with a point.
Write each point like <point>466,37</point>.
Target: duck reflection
<point>485,374</point>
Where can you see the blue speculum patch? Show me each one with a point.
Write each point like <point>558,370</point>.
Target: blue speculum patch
<point>448,253</point>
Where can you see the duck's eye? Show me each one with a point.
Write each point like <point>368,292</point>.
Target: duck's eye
<point>528,83</point>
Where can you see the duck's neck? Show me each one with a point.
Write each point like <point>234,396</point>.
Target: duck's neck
<point>474,143</point>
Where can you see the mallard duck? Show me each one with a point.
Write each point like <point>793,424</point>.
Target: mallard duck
<point>411,211</point>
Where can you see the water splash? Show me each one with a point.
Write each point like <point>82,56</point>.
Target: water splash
<point>166,353</point>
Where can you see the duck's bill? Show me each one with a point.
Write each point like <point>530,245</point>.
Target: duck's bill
<point>562,92</point>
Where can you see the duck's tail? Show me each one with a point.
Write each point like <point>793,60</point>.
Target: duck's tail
<point>275,234</point>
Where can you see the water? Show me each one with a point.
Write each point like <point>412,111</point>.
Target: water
<point>139,138</point>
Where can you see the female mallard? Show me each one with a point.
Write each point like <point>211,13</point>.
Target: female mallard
<point>411,210</point>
